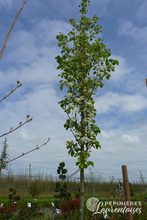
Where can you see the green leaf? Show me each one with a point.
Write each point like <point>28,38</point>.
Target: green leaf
<point>84,64</point>
<point>90,163</point>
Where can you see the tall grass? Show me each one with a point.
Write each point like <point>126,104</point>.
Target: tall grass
<point>46,186</point>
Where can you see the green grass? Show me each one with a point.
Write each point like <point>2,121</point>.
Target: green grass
<point>102,190</point>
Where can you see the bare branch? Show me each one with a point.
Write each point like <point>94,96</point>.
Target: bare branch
<point>23,154</point>
<point>72,174</point>
<point>18,84</point>
<point>29,119</point>
<point>11,28</point>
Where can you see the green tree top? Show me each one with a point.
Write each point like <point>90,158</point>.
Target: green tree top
<point>84,63</point>
<point>4,156</point>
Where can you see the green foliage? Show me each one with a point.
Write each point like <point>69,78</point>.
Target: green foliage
<point>62,171</point>
<point>34,189</point>
<point>84,64</point>
<point>4,156</point>
<point>25,213</point>
<point>141,177</point>
<point>13,197</point>
<point>61,187</point>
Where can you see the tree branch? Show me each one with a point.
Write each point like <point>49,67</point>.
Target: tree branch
<point>76,139</point>
<point>11,28</point>
<point>29,119</point>
<point>72,130</point>
<point>23,154</point>
<point>18,84</point>
<point>72,174</point>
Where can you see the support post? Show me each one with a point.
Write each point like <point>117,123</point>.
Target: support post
<point>29,177</point>
<point>29,171</point>
<point>126,189</point>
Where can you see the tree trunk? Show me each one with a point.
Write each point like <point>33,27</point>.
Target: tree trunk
<point>82,177</point>
<point>82,192</point>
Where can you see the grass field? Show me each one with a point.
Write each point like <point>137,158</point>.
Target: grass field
<point>44,191</point>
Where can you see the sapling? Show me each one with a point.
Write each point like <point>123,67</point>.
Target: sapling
<point>61,186</point>
<point>84,63</point>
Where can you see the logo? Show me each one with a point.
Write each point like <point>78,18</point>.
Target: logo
<point>92,204</point>
<point>96,206</point>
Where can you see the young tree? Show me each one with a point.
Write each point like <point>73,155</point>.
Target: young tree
<point>84,64</point>
<point>61,186</point>
<point>4,156</point>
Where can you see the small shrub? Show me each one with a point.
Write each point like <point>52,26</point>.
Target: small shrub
<point>61,190</point>
<point>70,205</point>
<point>34,189</point>
<point>13,197</point>
<point>24,213</point>
<point>7,212</point>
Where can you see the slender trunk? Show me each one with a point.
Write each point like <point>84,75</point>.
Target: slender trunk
<point>82,188</point>
<point>82,192</point>
<point>82,177</point>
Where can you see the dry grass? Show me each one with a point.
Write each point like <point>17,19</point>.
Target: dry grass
<point>46,186</point>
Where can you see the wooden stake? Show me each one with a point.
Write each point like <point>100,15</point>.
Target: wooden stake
<point>126,189</point>
<point>146,81</point>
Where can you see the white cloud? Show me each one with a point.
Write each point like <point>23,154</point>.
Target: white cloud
<point>6,3</point>
<point>49,29</point>
<point>105,134</point>
<point>141,13</point>
<point>121,146</point>
<point>102,5</point>
<point>33,52</point>
<point>130,138</point>
<point>32,55</point>
<point>26,46</point>
<point>127,28</point>
<point>48,120</point>
<point>121,71</point>
<point>126,78</point>
<point>25,134</point>
<point>124,102</point>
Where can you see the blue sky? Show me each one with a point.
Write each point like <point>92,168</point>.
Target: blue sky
<point>121,105</point>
